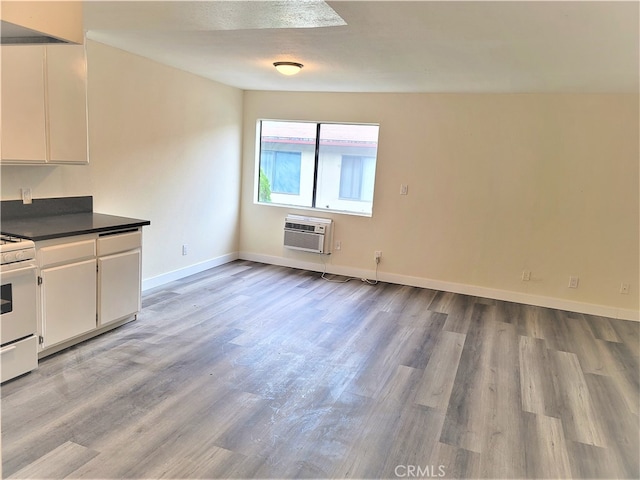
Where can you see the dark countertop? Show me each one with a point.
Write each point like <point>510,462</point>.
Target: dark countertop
<point>58,226</point>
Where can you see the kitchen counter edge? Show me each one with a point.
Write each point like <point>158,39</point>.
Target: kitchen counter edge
<point>60,226</point>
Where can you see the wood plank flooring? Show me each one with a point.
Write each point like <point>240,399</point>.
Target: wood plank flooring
<point>256,371</point>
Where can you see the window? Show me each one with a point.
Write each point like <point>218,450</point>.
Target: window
<point>326,166</point>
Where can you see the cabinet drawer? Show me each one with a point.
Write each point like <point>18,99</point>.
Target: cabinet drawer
<point>121,242</point>
<point>18,358</point>
<point>67,252</point>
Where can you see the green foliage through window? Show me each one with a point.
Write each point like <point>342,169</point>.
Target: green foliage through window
<point>264,192</point>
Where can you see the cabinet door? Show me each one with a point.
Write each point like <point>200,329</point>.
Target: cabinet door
<point>23,104</point>
<point>67,100</point>
<point>118,286</point>
<point>68,301</point>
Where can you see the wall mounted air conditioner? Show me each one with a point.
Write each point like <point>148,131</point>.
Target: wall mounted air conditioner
<point>308,234</point>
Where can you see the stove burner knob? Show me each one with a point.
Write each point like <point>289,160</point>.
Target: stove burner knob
<point>8,257</point>
<point>19,256</point>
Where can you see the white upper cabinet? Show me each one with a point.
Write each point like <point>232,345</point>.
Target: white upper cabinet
<point>44,104</point>
<point>67,93</point>
<point>23,104</point>
<point>60,19</point>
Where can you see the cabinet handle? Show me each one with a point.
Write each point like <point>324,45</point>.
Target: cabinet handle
<point>7,349</point>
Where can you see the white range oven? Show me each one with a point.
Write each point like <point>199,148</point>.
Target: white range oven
<point>18,318</point>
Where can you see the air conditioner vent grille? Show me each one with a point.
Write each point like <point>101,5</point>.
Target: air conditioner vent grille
<point>299,226</point>
<point>303,241</point>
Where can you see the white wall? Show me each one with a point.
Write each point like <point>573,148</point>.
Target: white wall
<point>164,145</point>
<point>45,181</point>
<point>497,184</point>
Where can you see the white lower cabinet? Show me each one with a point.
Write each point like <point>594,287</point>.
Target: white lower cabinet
<point>118,286</point>
<point>86,284</point>
<point>68,301</point>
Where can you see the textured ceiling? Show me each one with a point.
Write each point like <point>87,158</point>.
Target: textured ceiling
<point>395,46</point>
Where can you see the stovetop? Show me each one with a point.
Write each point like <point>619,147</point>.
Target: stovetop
<point>14,249</point>
<point>9,241</point>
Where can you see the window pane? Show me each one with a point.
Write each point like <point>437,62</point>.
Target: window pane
<point>351,177</point>
<point>286,177</point>
<point>346,167</point>
<point>282,169</point>
<point>287,161</point>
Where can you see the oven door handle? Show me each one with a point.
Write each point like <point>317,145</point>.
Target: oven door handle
<point>8,349</point>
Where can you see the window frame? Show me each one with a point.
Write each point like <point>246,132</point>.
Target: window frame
<point>313,207</point>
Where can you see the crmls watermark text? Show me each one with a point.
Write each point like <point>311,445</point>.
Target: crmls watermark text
<point>419,471</point>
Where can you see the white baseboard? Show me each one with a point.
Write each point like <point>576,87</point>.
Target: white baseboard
<point>159,280</point>
<point>474,290</point>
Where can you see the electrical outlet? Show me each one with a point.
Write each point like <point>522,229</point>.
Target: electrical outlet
<point>26,195</point>
<point>185,249</point>
<point>377,255</point>
<point>338,245</point>
<point>526,275</point>
<point>624,288</point>
<point>573,282</point>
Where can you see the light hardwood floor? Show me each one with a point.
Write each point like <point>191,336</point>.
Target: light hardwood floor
<point>256,371</point>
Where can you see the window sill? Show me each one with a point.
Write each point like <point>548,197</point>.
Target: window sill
<point>316,211</point>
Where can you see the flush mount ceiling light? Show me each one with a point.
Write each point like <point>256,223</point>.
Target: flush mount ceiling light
<point>288,68</point>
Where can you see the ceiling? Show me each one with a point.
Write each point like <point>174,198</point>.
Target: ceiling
<point>376,46</point>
